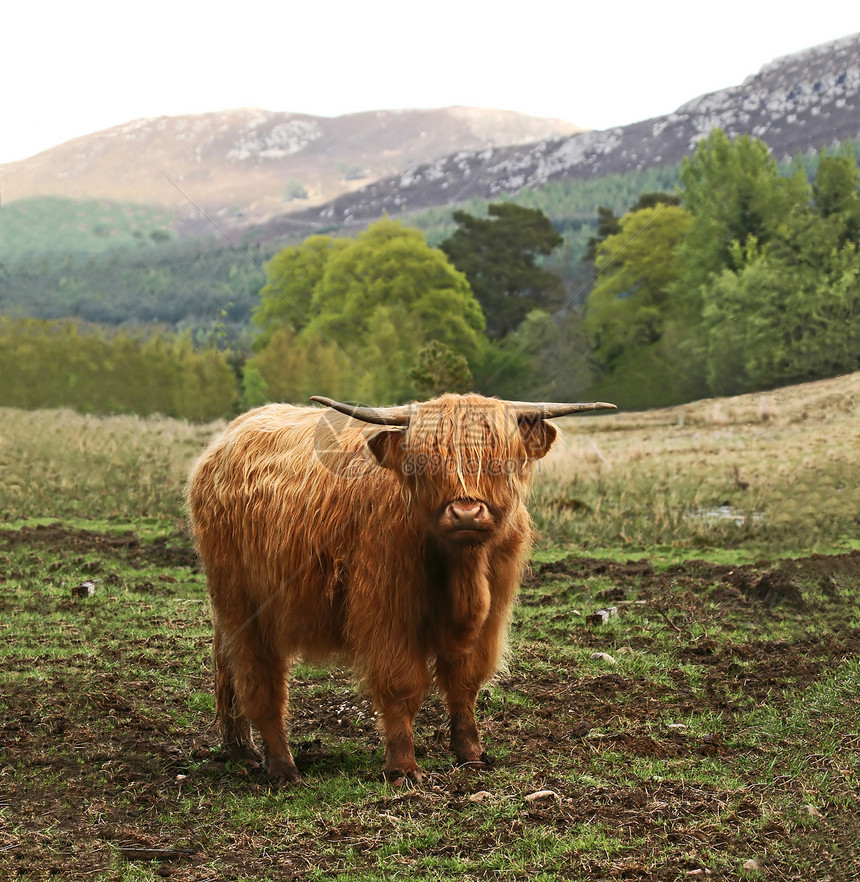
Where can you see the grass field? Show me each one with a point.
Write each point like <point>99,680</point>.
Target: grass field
<point>709,729</point>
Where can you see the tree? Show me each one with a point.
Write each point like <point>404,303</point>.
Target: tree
<point>559,359</point>
<point>439,369</point>
<point>293,275</point>
<point>64,364</point>
<point>295,189</point>
<point>498,255</point>
<point>734,191</point>
<point>636,268</point>
<point>835,193</point>
<point>608,224</point>
<point>367,308</point>
<point>639,328</point>
<point>767,325</point>
<point>389,264</point>
<point>783,306</point>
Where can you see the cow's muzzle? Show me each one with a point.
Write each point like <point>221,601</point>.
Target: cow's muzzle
<point>467,520</point>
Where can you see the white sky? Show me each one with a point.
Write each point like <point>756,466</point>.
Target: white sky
<point>71,68</point>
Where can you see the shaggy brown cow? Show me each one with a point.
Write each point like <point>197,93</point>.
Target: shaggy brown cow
<point>397,549</point>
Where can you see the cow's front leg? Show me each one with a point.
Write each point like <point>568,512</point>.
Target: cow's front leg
<point>461,696</point>
<point>398,708</point>
<point>459,679</point>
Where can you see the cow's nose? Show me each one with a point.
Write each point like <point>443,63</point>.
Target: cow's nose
<point>467,514</point>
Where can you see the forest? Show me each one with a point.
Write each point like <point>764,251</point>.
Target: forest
<point>727,275</point>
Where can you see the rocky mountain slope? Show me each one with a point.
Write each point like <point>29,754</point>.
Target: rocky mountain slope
<point>796,103</point>
<point>248,164</point>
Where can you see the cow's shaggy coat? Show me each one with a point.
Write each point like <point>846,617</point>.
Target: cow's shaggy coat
<point>395,550</point>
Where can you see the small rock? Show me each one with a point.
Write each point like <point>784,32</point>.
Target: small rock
<point>85,589</point>
<point>605,657</point>
<point>602,616</point>
<point>752,864</point>
<point>678,726</point>
<point>543,794</point>
<point>181,778</point>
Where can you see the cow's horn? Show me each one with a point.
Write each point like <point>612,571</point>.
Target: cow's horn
<point>532,410</point>
<point>380,416</point>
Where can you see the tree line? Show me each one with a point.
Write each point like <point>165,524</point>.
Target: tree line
<point>751,280</point>
<point>743,278</point>
<point>68,364</point>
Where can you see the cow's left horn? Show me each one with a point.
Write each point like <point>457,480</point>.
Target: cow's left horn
<point>380,416</point>
<point>532,410</point>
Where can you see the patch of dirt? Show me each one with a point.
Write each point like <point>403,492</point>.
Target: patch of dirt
<point>172,551</point>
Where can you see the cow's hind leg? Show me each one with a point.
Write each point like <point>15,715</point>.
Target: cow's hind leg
<point>259,675</point>
<point>236,736</point>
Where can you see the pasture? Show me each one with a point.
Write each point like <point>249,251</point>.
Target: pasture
<point>709,728</point>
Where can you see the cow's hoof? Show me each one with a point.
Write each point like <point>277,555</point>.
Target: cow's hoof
<point>400,777</point>
<point>482,761</point>
<point>282,773</point>
<point>243,755</point>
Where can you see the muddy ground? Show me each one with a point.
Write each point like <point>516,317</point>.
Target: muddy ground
<point>78,798</point>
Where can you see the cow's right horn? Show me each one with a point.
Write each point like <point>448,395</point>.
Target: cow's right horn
<point>532,410</point>
<point>380,416</point>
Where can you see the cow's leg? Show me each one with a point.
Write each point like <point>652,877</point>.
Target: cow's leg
<point>235,729</point>
<point>459,681</point>
<point>461,670</point>
<point>460,677</point>
<point>398,703</point>
<point>260,681</point>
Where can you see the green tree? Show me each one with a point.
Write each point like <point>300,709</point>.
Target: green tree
<point>608,224</point>
<point>734,191</point>
<point>636,267</point>
<point>783,307</point>
<point>64,364</point>
<point>293,275</point>
<point>295,189</point>
<point>370,305</point>
<point>638,326</point>
<point>499,255</point>
<point>835,193</point>
<point>391,264</point>
<point>439,369</point>
<point>767,327</point>
<point>560,366</point>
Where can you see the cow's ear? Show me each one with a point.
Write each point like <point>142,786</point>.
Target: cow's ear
<point>537,436</point>
<point>386,446</point>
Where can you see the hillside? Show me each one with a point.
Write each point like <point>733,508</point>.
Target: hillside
<point>118,263</point>
<point>247,164</point>
<point>796,104</point>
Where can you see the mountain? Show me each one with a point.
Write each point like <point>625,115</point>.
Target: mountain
<point>247,164</point>
<point>796,104</point>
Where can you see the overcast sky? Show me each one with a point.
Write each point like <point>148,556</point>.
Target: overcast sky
<point>71,68</point>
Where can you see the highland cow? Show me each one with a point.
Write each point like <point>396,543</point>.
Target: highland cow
<point>391,539</point>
